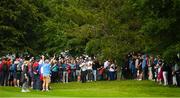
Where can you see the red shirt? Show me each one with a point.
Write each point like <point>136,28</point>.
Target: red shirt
<point>9,63</point>
<point>5,62</point>
<point>68,69</point>
<point>35,65</point>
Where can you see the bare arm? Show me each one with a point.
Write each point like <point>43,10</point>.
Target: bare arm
<point>52,59</point>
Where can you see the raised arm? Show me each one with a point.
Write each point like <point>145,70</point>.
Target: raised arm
<point>52,59</point>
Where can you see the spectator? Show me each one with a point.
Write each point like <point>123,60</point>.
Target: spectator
<point>46,75</point>
<point>11,75</point>
<point>30,72</point>
<point>175,68</point>
<point>112,71</point>
<point>165,74</point>
<point>1,72</point>
<point>150,67</point>
<point>160,72</point>
<point>94,67</point>
<point>18,72</point>
<point>89,71</point>
<point>78,69</point>
<point>73,69</point>
<point>138,64</point>
<point>4,72</point>
<point>65,72</point>
<point>83,72</point>
<point>25,78</point>
<point>36,80</point>
<point>144,67</point>
<point>106,69</point>
<point>54,70</point>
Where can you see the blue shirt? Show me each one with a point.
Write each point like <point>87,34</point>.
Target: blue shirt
<point>144,62</point>
<point>46,69</point>
<point>64,67</point>
<point>73,66</point>
<point>39,68</point>
<point>155,61</point>
<point>130,64</point>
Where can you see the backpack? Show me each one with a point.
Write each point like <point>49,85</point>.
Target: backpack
<point>12,67</point>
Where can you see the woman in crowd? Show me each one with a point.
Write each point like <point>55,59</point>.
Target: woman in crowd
<point>54,70</point>
<point>112,71</point>
<point>46,71</point>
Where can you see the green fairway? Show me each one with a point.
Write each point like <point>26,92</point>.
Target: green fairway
<point>125,88</point>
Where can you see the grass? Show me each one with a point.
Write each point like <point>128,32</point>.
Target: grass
<point>121,88</point>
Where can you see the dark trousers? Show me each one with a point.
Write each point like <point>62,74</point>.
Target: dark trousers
<point>4,78</point>
<point>54,77</point>
<point>178,78</point>
<point>36,83</point>
<point>112,75</point>
<point>83,76</point>
<point>90,74</point>
<point>73,75</point>
<point>1,78</point>
<point>106,74</point>
<point>145,73</point>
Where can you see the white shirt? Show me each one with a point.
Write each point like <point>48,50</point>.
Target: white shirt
<point>176,67</point>
<point>137,62</point>
<point>112,68</point>
<point>106,64</point>
<point>41,62</point>
<point>83,66</point>
<point>89,65</point>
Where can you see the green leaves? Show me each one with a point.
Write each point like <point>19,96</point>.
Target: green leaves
<point>108,29</point>
<point>18,22</point>
<point>93,47</point>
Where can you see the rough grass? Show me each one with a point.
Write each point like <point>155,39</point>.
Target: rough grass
<point>121,88</point>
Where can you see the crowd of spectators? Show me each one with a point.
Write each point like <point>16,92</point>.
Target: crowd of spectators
<point>140,66</point>
<point>28,71</point>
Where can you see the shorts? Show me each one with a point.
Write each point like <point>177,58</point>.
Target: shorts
<point>14,75</point>
<point>18,75</point>
<point>46,78</point>
<point>10,77</point>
